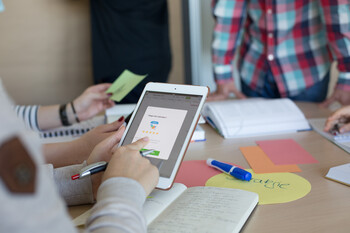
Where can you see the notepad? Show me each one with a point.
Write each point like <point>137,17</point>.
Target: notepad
<point>318,125</point>
<point>340,174</point>
<point>196,209</point>
<point>254,117</point>
<point>124,84</point>
<point>198,134</point>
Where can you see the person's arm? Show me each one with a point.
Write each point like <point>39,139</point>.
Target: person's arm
<point>337,22</point>
<point>90,103</point>
<point>229,20</point>
<point>33,191</point>
<point>128,179</point>
<point>136,177</point>
<point>342,117</point>
<point>76,151</point>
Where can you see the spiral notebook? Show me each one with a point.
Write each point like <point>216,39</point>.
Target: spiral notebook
<point>69,133</point>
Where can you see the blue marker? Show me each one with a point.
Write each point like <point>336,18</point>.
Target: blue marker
<point>236,172</point>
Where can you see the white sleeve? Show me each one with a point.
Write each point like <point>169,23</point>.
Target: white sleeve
<point>119,207</point>
<point>74,192</point>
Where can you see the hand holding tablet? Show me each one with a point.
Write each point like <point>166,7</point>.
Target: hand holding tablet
<point>168,115</point>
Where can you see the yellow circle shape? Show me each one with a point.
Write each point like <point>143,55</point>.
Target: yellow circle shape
<point>272,187</point>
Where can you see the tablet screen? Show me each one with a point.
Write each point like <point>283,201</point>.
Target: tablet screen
<point>166,119</point>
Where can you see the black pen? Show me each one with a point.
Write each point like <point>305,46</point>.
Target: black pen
<point>100,166</point>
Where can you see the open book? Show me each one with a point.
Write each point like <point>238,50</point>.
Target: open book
<point>254,117</point>
<point>195,209</point>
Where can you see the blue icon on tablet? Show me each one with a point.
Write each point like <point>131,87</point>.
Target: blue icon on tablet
<point>154,124</point>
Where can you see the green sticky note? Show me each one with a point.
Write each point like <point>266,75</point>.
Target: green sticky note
<point>124,84</point>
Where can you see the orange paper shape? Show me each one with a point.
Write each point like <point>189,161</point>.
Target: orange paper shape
<point>260,162</point>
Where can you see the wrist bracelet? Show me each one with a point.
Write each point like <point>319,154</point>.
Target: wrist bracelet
<point>75,113</point>
<point>63,115</point>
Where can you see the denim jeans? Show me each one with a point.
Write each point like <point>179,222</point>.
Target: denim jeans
<point>315,93</point>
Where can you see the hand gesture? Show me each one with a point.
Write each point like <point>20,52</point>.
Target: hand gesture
<point>93,101</point>
<point>223,92</point>
<point>127,162</point>
<point>342,117</point>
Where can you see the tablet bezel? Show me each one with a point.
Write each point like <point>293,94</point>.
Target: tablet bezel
<point>203,91</point>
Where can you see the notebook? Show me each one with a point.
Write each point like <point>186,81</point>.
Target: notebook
<point>340,174</point>
<point>195,209</point>
<point>198,134</point>
<point>69,133</point>
<point>317,124</point>
<point>254,117</point>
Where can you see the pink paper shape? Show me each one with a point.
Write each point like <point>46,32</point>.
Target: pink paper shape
<point>286,151</point>
<point>195,173</point>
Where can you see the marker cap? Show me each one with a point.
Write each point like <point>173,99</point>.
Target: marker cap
<point>241,174</point>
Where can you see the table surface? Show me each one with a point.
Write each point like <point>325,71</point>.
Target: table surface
<point>325,209</point>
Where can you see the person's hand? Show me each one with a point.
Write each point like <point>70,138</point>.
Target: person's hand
<point>89,140</point>
<point>223,91</point>
<point>93,101</point>
<point>127,162</point>
<point>341,116</point>
<point>103,152</point>
<point>105,149</point>
<point>343,97</point>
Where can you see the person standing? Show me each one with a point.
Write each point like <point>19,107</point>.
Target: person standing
<point>131,35</point>
<point>286,48</point>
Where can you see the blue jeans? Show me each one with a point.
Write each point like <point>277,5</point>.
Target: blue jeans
<point>315,93</point>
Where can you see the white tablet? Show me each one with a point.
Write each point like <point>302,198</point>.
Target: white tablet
<point>168,115</point>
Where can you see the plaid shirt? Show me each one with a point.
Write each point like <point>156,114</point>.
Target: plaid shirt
<point>298,40</point>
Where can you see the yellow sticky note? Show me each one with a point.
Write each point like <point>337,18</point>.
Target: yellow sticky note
<point>124,84</point>
<point>272,187</point>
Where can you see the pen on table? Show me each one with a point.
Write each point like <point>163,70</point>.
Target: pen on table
<point>99,167</point>
<point>234,171</point>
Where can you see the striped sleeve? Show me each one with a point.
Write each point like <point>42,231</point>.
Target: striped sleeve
<point>29,114</point>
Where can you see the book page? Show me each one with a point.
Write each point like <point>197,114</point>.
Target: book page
<point>253,117</point>
<point>155,203</point>
<point>158,200</point>
<point>208,209</point>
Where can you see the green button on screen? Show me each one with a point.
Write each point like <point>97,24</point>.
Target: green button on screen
<point>155,153</point>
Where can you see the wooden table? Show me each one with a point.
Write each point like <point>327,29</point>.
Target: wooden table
<point>325,209</point>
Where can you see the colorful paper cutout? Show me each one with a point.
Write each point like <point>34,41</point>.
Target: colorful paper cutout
<point>195,173</point>
<point>261,163</point>
<point>124,84</point>
<point>272,188</point>
<point>285,151</point>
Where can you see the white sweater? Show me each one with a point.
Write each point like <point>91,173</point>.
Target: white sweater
<point>119,201</point>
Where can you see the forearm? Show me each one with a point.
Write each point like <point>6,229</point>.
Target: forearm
<point>66,153</point>
<point>119,207</point>
<point>49,116</point>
